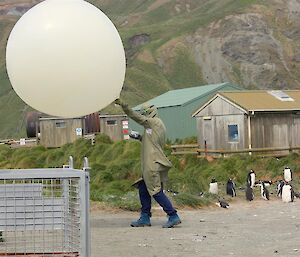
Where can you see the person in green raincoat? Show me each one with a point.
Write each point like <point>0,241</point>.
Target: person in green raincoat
<point>155,165</point>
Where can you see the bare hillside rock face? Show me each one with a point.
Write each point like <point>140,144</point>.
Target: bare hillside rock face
<point>240,48</point>
<point>139,40</point>
<point>293,9</point>
<point>16,8</point>
<point>134,43</point>
<point>249,50</point>
<point>292,32</point>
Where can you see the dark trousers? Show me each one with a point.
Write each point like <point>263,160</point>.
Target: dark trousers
<point>160,198</point>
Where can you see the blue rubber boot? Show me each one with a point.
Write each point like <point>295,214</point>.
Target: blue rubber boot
<point>143,221</point>
<point>172,221</point>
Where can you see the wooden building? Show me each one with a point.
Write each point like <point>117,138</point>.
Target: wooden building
<point>250,119</point>
<point>55,132</point>
<point>176,106</point>
<point>115,126</point>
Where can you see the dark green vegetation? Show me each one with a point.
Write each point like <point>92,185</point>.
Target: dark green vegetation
<point>12,108</point>
<point>115,166</point>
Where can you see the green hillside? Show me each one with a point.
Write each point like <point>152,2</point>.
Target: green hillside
<point>174,44</point>
<point>12,108</point>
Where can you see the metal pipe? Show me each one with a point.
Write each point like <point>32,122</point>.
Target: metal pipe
<point>249,133</point>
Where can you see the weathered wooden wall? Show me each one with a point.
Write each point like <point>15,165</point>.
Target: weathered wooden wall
<point>275,130</point>
<point>268,129</point>
<point>112,126</point>
<point>57,132</point>
<point>212,126</point>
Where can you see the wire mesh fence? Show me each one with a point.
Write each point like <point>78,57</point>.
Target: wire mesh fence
<point>44,213</point>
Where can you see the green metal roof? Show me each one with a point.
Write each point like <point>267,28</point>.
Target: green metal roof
<point>183,96</point>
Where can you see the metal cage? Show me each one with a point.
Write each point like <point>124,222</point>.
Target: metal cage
<point>45,212</point>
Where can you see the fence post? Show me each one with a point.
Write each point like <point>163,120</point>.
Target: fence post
<point>66,197</point>
<point>71,162</point>
<point>85,211</point>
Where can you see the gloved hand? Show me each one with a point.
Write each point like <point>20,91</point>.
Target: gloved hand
<point>135,135</point>
<point>118,101</point>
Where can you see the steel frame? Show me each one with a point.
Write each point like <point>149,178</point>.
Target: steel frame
<point>46,203</point>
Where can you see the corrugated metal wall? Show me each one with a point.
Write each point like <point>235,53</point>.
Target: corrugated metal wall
<point>178,119</point>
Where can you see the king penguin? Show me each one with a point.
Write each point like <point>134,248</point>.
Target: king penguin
<point>230,188</point>
<point>213,187</point>
<point>287,193</point>
<point>287,174</point>
<point>251,179</point>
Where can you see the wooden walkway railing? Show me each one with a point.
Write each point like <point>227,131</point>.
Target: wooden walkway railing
<point>30,142</point>
<point>23,142</point>
<point>195,150</point>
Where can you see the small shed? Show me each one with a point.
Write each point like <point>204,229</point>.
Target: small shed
<point>115,126</point>
<point>250,119</point>
<point>176,106</point>
<point>55,132</point>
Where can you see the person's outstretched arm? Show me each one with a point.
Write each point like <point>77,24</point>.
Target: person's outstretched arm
<point>137,117</point>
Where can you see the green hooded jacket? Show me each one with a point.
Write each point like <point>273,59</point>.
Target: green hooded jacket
<point>155,164</point>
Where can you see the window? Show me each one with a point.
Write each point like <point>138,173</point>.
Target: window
<point>60,124</point>
<point>280,95</point>
<point>111,122</point>
<point>233,133</point>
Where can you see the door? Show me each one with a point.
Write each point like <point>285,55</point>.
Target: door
<point>208,134</point>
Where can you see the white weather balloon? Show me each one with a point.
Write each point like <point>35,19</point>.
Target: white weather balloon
<point>66,58</point>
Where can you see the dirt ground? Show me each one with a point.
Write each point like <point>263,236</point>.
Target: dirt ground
<point>247,229</point>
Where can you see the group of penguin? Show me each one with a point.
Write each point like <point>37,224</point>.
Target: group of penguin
<point>230,187</point>
<point>284,188</point>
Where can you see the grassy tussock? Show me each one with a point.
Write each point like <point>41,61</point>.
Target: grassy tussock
<point>115,166</point>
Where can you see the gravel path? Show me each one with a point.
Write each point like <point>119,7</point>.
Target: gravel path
<point>246,229</point>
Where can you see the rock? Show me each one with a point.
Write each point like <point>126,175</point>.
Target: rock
<point>138,40</point>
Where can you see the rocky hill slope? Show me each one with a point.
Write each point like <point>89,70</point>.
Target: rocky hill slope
<point>173,44</point>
